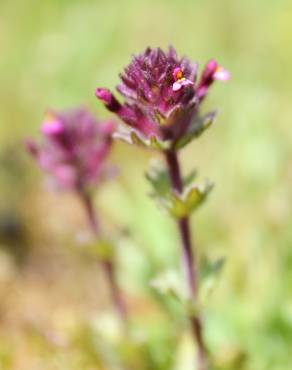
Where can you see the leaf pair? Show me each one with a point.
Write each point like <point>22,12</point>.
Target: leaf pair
<point>182,205</point>
<point>170,284</point>
<point>198,125</point>
<point>177,205</point>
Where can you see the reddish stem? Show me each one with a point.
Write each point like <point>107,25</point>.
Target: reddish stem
<point>188,259</point>
<point>107,265</point>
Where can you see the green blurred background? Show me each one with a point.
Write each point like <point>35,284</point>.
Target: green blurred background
<point>54,54</point>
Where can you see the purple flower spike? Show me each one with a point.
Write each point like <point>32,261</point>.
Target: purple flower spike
<point>74,148</point>
<point>161,97</point>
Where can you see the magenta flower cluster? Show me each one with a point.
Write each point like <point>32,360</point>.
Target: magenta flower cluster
<point>162,94</point>
<point>74,148</point>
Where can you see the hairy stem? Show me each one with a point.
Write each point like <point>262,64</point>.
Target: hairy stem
<point>188,260</point>
<point>107,265</point>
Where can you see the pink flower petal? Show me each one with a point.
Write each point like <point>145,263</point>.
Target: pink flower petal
<point>176,86</point>
<point>187,82</point>
<point>52,127</point>
<point>221,74</point>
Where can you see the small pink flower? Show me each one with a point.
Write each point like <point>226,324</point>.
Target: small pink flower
<point>221,74</point>
<point>180,79</point>
<point>211,73</point>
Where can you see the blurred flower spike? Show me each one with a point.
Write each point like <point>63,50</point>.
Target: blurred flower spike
<point>162,98</point>
<point>74,148</point>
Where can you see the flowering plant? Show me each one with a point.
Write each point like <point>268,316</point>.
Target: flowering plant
<point>162,109</point>
<point>74,151</point>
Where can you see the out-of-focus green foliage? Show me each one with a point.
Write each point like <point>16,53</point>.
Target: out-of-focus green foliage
<point>53,54</point>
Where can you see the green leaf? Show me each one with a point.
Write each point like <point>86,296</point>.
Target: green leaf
<point>211,268</point>
<point>101,249</point>
<point>136,139</point>
<point>208,275</point>
<point>158,177</point>
<point>132,136</point>
<point>168,283</point>
<point>182,205</point>
<point>187,180</point>
<point>198,126</point>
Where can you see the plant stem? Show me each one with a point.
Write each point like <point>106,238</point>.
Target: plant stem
<point>107,265</point>
<point>188,260</point>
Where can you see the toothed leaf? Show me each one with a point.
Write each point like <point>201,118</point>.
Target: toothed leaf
<point>182,205</point>
<point>208,274</point>
<point>158,177</point>
<point>133,137</point>
<point>168,283</point>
